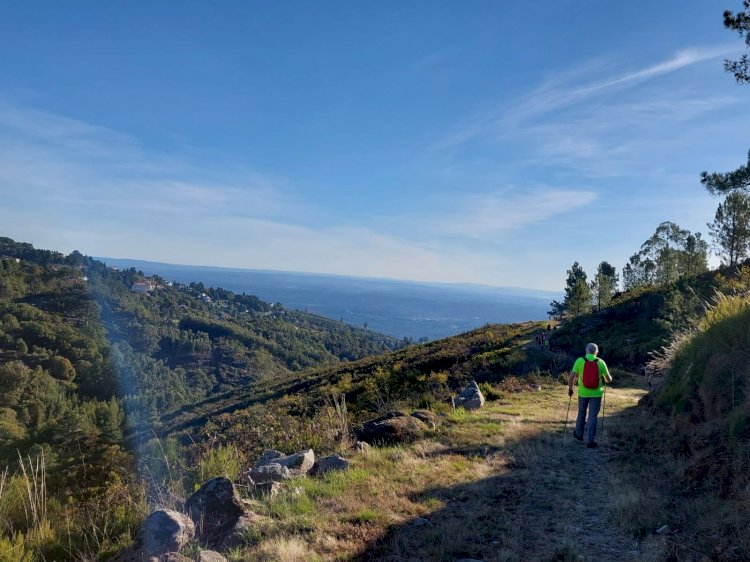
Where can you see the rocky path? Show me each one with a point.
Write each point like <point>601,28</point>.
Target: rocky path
<point>571,491</point>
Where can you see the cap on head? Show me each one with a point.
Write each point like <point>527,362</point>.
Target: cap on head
<point>592,349</point>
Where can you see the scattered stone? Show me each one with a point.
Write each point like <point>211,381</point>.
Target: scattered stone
<point>471,397</point>
<point>362,448</point>
<point>274,466</point>
<point>420,522</point>
<point>429,418</point>
<point>210,556</point>
<point>267,489</point>
<point>393,427</point>
<point>330,464</point>
<point>663,530</point>
<point>269,455</point>
<point>298,463</point>
<point>215,508</point>
<point>165,531</point>
<point>272,472</point>
<point>536,387</point>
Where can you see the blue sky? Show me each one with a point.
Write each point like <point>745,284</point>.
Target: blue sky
<point>485,142</point>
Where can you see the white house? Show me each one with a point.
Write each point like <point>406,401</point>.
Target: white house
<point>142,286</point>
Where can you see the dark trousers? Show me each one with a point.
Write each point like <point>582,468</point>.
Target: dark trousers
<point>592,405</point>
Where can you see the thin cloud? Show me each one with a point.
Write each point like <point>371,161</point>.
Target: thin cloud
<point>559,93</point>
<point>65,162</point>
<point>487,216</point>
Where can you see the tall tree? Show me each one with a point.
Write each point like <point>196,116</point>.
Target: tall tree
<point>671,253</point>
<point>730,229</point>
<point>740,178</point>
<point>604,285</point>
<point>663,247</point>
<point>694,256</point>
<point>639,272</point>
<point>577,299</point>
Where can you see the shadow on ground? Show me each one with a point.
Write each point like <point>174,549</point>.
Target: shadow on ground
<point>550,499</point>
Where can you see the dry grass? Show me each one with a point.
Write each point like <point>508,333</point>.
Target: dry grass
<point>496,485</point>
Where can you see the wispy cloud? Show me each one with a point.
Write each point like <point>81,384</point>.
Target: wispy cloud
<point>562,92</point>
<point>486,216</point>
<point>67,162</point>
<point>70,185</point>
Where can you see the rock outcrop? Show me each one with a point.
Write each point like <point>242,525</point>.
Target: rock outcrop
<point>393,427</point>
<point>162,533</point>
<point>210,556</point>
<point>165,531</point>
<point>215,508</point>
<point>471,397</point>
<point>331,463</point>
<point>275,466</point>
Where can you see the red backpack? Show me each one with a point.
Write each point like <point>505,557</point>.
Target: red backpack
<point>591,373</point>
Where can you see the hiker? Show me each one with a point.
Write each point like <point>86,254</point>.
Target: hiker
<point>591,373</point>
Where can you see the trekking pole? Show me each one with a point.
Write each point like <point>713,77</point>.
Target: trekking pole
<point>565,429</point>
<point>604,405</point>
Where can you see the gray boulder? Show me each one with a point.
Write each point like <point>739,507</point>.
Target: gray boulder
<point>274,466</point>
<point>267,489</point>
<point>330,464</point>
<point>164,531</point>
<point>300,464</point>
<point>215,508</point>
<point>471,397</point>
<point>271,472</point>
<point>393,427</point>
<point>210,556</point>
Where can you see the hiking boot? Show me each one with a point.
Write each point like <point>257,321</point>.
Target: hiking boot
<point>579,437</point>
<point>592,445</point>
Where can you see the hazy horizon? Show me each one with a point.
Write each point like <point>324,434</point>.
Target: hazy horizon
<point>395,307</point>
<point>429,141</point>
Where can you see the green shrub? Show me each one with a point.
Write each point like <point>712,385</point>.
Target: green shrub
<point>490,392</point>
<point>14,549</point>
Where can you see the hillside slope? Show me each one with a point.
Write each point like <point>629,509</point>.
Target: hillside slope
<point>84,358</point>
<point>421,374</point>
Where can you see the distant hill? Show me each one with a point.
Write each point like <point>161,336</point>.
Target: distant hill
<point>398,308</point>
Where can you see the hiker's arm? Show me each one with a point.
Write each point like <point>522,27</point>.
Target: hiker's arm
<point>572,378</point>
<point>607,376</point>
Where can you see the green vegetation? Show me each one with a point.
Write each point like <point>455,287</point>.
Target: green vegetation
<point>86,364</point>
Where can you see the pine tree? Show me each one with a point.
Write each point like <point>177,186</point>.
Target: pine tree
<point>739,178</point>
<point>730,229</point>
<point>604,285</point>
<point>577,299</point>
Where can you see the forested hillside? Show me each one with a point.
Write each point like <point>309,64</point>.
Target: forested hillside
<point>85,359</point>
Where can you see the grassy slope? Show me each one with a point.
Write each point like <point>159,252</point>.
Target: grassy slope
<point>495,485</point>
<point>500,484</point>
<point>488,353</point>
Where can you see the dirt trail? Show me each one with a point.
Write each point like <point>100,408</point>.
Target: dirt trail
<point>571,491</point>
<point>507,488</point>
